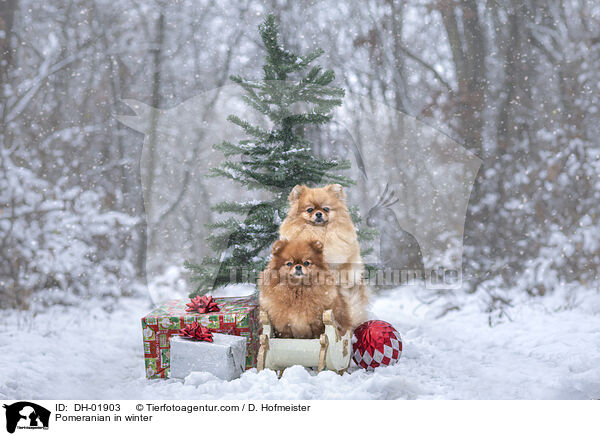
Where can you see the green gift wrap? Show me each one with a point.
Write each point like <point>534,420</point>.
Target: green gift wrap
<point>236,316</point>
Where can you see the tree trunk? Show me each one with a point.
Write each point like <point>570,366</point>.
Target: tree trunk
<point>468,55</point>
<point>146,236</point>
<point>7,15</point>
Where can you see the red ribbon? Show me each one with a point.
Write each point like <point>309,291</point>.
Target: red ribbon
<point>204,304</point>
<point>197,332</point>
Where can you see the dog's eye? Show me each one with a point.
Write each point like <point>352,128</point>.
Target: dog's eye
<point>309,210</point>
<point>326,209</point>
<point>306,263</point>
<point>289,264</point>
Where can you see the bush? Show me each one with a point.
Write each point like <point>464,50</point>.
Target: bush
<point>58,239</point>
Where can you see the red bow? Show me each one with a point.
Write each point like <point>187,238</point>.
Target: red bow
<point>203,304</point>
<point>197,332</point>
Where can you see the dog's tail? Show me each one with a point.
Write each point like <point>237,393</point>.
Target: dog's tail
<point>357,299</point>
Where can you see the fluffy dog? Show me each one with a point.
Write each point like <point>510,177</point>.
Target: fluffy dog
<point>297,287</point>
<point>321,214</point>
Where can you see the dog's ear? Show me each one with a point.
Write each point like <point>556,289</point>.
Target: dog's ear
<point>317,246</point>
<point>278,245</point>
<point>296,192</point>
<point>337,190</point>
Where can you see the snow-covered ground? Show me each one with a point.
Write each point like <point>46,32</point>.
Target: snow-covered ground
<point>95,352</point>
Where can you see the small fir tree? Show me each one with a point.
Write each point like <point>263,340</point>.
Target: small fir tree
<point>275,160</point>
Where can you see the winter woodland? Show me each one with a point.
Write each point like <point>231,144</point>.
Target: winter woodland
<point>108,111</point>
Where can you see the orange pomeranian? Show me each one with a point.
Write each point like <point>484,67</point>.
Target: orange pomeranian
<point>321,214</point>
<point>297,287</point>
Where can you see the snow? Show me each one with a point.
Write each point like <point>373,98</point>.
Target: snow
<point>550,350</point>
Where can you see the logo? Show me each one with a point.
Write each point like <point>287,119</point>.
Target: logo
<point>423,178</point>
<point>26,415</point>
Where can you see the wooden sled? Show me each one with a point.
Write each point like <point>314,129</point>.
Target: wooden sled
<point>331,351</point>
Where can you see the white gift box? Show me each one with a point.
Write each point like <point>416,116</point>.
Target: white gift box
<point>224,357</point>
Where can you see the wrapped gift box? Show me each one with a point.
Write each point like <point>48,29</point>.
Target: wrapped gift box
<point>237,316</point>
<point>225,357</point>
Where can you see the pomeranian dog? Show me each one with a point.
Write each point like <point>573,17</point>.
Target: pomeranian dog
<point>297,287</point>
<point>321,214</point>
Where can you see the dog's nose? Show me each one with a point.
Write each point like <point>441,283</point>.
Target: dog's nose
<point>319,215</point>
<point>298,268</point>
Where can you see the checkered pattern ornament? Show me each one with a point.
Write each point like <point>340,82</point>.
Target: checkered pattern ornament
<point>376,343</point>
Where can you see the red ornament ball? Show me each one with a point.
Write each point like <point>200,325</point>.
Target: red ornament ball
<point>376,343</point>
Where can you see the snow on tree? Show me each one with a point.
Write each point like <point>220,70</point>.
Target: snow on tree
<point>55,238</point>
